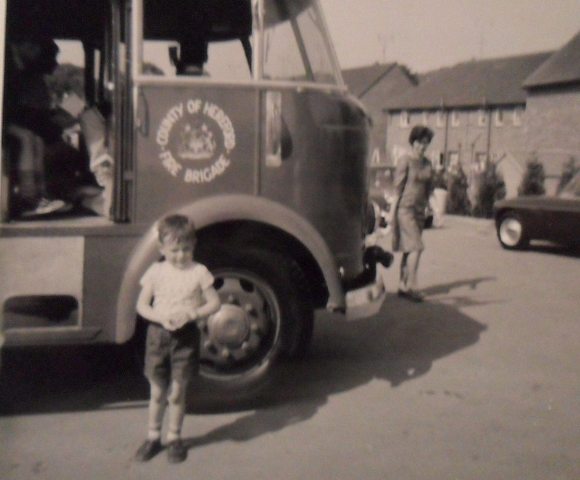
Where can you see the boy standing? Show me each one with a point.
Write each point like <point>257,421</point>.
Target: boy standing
<point>175,294</point>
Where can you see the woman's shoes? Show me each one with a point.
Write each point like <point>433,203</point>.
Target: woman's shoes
<point>411,295</point>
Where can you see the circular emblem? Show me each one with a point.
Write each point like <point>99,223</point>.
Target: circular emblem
<point>195,140</point>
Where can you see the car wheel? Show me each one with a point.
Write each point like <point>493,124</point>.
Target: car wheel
<point>511,232</point>
<point>262,317</point>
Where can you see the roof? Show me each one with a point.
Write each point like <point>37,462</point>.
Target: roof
<point>562,67</point>
<point>362,79</point>
<point>472,84</point>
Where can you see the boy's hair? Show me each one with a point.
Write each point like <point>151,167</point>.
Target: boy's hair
<point>176,227</point>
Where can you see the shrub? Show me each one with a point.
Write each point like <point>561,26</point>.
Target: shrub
<point>490,188</point>
<point>569,169</point>
<point>534,176</point>
<point>457,199</point>
<point>440,179</point>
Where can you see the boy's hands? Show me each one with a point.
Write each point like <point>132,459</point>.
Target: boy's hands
<point>177,319</point>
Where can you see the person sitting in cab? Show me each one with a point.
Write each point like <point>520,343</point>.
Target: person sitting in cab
<point>27,115</point>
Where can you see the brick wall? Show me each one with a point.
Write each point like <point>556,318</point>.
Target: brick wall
<point>395,83</point>
<point>397,136</point>
<point>554,126</point>
<point>464,135</point>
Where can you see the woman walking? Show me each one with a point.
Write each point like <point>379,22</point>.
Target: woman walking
<point>413,185</point>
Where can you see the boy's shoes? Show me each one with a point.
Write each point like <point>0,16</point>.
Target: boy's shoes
<point>410,295</point>
<point>176,451</point>
<point>148,450</point>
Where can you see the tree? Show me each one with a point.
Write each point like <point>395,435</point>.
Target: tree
<point>534,177</point>
<point>457,199</point>
<point>67,79</point>
<point>491,188</point>
<point>569,169</point>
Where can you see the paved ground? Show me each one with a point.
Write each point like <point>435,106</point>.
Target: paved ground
<point>480,382</point>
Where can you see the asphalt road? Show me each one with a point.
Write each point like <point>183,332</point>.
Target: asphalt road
<point>479,382</point>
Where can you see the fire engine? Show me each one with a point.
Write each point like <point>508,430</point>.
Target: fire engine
<point>232,112</point>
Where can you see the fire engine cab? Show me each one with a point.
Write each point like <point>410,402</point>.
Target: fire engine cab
<point>232,112</point>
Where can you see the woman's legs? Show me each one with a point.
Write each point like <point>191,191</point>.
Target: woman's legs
<point>404,273</point>
<point>413,269</point>
<point>408,276</point>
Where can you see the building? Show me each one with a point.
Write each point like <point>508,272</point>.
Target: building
<point>553,110</point>
<point>372,85</point>
<point>477,111</point>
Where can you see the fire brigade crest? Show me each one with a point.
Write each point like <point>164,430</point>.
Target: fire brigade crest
<point>195,140</point>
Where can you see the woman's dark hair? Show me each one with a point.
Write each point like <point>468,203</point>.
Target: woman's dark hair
<point>420,132</point>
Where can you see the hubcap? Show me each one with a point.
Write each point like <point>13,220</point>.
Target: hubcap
<point>241,334</point>
<point>510,231</point>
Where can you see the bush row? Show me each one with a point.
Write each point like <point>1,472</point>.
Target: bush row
<point>488,186</point>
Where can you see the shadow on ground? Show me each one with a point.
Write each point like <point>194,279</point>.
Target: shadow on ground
<point>348,355</point>
<point>398,345</point>
<point>554,249</point>
<point>63,379</point>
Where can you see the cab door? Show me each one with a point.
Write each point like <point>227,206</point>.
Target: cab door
<point>196,109</point>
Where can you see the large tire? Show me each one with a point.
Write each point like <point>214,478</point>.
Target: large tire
<point>263,316</point>
<point>304,330</point>
<point>511,232</point>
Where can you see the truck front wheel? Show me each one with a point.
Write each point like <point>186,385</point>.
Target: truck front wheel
<point>261,317</point>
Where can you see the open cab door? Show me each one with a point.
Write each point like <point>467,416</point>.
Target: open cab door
<point>62,95</point>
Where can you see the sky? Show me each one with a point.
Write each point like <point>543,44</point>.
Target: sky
<point>428,34</point>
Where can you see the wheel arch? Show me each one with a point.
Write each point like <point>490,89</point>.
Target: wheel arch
<point>500,213</point>
<point>253,221</point>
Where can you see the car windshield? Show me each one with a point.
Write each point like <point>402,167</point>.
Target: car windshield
<point>572,188</point>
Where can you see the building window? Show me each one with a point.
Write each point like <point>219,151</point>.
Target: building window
<point>453,161</point>
<point>517,116</point>
<point>482,118</point>
<point>405,121</point>
<point>480,161</point>
<point>437,159</point>
<point>454,118</point>
<point>498,116</point>
<point>440,118</point>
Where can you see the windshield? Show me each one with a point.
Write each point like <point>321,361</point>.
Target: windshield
<point>205,38</point>
<point>298,48</point>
